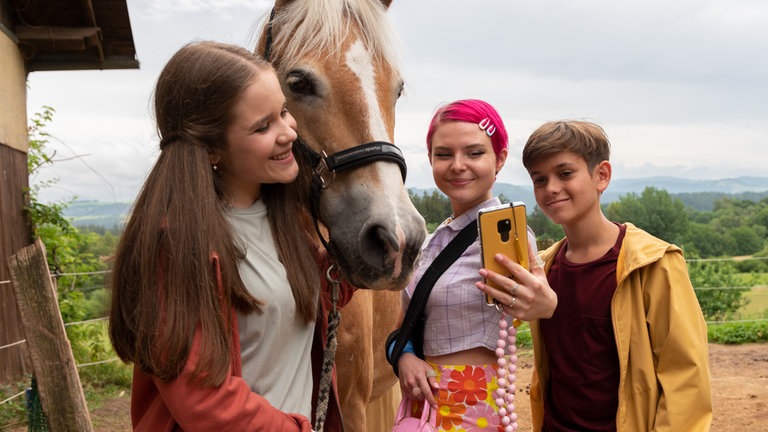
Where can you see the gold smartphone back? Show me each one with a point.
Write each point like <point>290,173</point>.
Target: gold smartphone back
<point>503,229</point>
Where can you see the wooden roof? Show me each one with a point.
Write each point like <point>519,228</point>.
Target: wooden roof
<point>72,34</point>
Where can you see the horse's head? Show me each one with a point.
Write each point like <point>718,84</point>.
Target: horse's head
<point>335,62</point>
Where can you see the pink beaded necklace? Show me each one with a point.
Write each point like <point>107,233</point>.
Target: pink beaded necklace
<point>506,353</point>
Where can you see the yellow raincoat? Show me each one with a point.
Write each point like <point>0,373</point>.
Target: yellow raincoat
<point>661,339</point>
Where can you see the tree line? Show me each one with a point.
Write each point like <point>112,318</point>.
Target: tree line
<point>735,227</point>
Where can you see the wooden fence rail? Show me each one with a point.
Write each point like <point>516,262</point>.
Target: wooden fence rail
<point>53,363</point>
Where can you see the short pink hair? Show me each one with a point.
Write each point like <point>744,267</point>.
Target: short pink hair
<point>470,111</point>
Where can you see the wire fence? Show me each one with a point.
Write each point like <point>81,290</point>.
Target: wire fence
<point>73,285</point>
<point>734,259</point>
<point>79,365</point>
<point>76,275</point>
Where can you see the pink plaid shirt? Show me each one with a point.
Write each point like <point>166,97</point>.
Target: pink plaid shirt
<point>457,317</point>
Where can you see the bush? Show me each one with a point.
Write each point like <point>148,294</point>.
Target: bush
<point>717,289</point>
<point>738,332</point>
<point>524,336</point>
<point>13,412</point>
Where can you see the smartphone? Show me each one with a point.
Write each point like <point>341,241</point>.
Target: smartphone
<point>502,229</point>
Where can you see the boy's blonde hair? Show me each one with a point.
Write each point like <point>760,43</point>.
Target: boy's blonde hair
<point>585,139</point>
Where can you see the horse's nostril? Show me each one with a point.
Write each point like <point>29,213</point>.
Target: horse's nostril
<point>376,244</point>
<point>387,238</point>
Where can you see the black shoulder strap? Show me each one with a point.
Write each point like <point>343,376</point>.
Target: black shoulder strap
<point>418,302</point>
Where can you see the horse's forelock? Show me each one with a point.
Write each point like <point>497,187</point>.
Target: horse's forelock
<point>315,28</point>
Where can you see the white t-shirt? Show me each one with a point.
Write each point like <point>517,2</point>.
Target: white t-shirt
<point>275,345</point>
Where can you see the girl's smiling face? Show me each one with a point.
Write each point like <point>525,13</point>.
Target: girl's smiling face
<point>259,142</point>
<point>464,165</point>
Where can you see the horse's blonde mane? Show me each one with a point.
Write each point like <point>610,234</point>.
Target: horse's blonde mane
<point>317,28</point>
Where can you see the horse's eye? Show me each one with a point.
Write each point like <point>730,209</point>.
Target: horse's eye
<point>400,89</point>
<point>300,84</point>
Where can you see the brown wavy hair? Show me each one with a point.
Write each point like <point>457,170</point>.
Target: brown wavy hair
<point>163,281</point>
<point>585,139</point>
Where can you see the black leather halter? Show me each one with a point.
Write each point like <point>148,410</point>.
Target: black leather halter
<point>324,168</point>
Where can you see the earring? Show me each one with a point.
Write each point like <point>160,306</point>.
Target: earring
<point>215,167</point>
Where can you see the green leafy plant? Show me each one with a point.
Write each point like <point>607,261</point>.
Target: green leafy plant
<point>77,259</point>
<point>738,332</point>
<point>43,215</point>
<point>717,288</point>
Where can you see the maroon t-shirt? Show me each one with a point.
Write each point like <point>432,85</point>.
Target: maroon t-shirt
<point>583,361</point>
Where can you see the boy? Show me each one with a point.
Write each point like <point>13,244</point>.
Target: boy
<point>626,349</point>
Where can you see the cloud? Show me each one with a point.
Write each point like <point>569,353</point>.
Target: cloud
<point>679,86</point>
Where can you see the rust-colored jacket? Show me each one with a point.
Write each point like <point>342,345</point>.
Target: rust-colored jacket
<point>183,405</point>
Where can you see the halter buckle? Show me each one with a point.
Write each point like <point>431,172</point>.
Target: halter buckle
<point>322,170</point>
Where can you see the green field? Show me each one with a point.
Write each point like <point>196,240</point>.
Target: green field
<point>758,303</point>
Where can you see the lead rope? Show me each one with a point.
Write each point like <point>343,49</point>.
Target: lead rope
<point>329,354</point>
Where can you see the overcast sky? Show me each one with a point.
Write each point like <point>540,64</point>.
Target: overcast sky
<point>681,87</point>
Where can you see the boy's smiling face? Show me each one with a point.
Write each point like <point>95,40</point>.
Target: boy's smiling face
<point>566,190</point>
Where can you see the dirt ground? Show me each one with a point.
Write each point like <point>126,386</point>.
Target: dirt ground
<point>739,392</point>
<point>739,388</point>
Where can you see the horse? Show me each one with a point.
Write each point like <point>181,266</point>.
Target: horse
<point>338,68</point>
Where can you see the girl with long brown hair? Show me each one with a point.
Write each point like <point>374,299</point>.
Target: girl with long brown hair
<point>216,284</point>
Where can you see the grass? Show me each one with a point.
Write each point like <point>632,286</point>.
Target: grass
<point>757,304</point>
<point>100,383</point>
<point>757,307</point>
<point>13,414</point>
<point>754,279</point>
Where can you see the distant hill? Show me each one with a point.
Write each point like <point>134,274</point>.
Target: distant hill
<point>675,185</point>
<point>705,201</point>
<point>97,213</point>
<point>698,194</point>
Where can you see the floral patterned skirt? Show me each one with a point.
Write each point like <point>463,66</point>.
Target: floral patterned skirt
<point>465,398</point>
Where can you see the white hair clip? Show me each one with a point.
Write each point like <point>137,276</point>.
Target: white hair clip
<point>485,125</point>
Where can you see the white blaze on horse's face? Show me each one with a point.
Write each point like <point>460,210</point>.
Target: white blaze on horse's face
<point>341,84</point>
<point>371,214</point>
<point>359,61</point>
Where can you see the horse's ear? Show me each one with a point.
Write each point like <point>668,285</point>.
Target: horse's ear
<point>386,3</point>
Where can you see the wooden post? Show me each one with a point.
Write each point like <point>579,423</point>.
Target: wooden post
<point>53,363</point>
